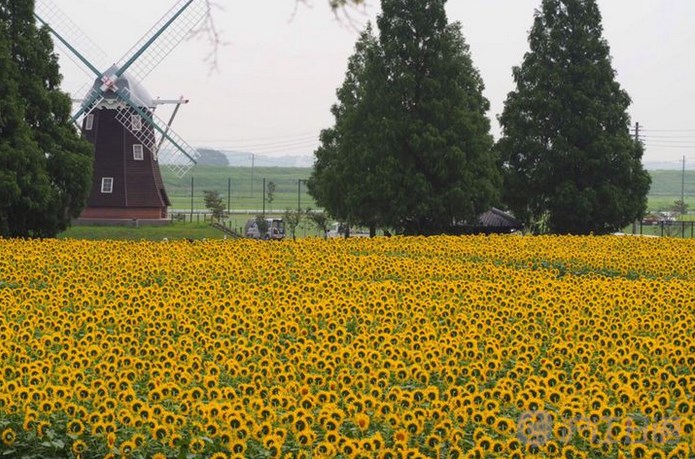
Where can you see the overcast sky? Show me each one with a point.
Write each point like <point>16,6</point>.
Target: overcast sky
<point>281,64</point>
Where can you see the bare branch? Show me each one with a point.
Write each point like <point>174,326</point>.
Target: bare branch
<point>208,30</point>
<point>342,10</point>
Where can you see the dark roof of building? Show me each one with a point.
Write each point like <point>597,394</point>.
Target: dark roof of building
<point>499,219</point>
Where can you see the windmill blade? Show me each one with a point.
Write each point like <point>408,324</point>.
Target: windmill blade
<point>170,154</point>
<point>162,38</point>
<point>173,151</point>
<point>68,34</point>
<point>93,98</point>
<point>90,58</point>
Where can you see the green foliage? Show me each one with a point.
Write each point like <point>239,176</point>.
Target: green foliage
<point>680,207</point>
<point>270,192</point>
<point>569,162</point>
<point>213,202</point>
<point>210,157</point>
<point>410,148</point>
<point>292,219</point>
<point>262,225</point>
<point>45,167</point>
<point>320,220</point>
<point>335,4</point>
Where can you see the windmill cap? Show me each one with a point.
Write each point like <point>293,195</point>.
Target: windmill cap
<point>139,95</point>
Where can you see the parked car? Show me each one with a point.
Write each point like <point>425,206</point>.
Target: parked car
<point>276,229</point>
<point>338,230</point>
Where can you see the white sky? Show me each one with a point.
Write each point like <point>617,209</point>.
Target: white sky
<point>282,63</point>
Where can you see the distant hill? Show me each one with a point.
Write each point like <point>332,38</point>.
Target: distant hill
<point>668,165</point>
<point>243,159</point>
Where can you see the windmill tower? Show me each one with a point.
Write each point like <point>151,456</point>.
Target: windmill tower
<point>117,116</point>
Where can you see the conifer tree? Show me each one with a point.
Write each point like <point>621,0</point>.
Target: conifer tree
<point>411,148</point>
<point>569,162</point>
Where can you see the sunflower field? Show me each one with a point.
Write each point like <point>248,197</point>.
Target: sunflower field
<point>441,347</point>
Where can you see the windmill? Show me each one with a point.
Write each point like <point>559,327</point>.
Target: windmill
<point>117,115</point>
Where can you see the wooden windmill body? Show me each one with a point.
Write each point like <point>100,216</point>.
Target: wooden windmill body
<point>126,182</point>
<point>117,117</point>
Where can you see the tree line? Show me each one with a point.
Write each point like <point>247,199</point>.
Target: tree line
<point>410,149</point>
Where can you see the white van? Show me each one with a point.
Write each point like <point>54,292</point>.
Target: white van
<point>276,229</point>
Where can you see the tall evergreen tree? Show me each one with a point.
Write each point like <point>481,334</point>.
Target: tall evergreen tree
<point>411,147</point>
<point>45,167</point>
<point>345,179</point>
<point>569,162</point>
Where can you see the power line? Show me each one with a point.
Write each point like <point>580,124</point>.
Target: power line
<point>670,142</point>
<point>261,148</point>
<point>660,145</point>
<point>261,139</point>
<point>271,145</point>
<point>667,130</point>
<point>649,136</point>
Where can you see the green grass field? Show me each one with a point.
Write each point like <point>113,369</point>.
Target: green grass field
<point>666,189</point>
<point>174,231</point>
<point>246,187</point>
<point>247,197</point>
<point>197,230</point>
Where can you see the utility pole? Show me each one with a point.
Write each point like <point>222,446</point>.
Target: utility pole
<point>229,195</point>
<point>634,224</point>
<point>191,199</point>
<point>253,160</point>
<point>299,194</point>
<point>264,196</point>
<point>683,187</point>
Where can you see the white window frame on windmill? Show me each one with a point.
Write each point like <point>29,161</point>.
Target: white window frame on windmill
<point>89,122</point>
<point>136,122</point>
<point>107,184</point>
<point>138,152</point>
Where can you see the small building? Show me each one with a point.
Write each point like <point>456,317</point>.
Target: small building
<point>494,221</point>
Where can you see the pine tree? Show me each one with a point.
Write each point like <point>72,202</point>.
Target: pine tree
<point>345,179</point>
<point>411,147</point>
<point>569,162</point>
<point>45,167</point>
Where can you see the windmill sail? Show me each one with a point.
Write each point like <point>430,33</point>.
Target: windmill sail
<point>172,150</point>
<point>142,58</point>
<point>117,115</point>
<point>163,37</point>
<point>90,58</point>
